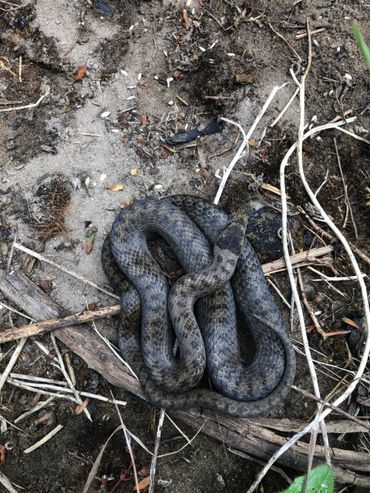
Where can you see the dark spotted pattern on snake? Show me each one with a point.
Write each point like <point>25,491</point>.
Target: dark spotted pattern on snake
<point>199,310</point>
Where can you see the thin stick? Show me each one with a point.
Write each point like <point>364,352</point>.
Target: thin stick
<point>35,409</point>
<point>97,461</point>
<point>27,106</point>
<point>24,249</point>
<point>153,465</point>
<point>36,388</point>
<point>7,484</point>
<point>345,189</point>
<point>334,408</point>
<point>43,440</point>
<point>330,237</point>
<point>308,308</point>
<point>10,258</point>
<point>14,333</point>
<point>297,258</point>
<point>244,144</point>
<point>127,434</point>
<point>66,376</point>
<point>285,109</point>
<point>7,307</point>
<point>290,46</point>
<point>12,362</point>
<point>315,31</point>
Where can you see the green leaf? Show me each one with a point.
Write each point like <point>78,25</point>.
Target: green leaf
<point>321,480</point>
<point>361,43</point>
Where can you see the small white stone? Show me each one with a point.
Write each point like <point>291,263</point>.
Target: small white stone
<point>105,114</point>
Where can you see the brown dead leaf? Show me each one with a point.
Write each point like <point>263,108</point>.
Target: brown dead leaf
<point>45,285</point>
<point>2,453</point>
<point>185,16</point>
<point>126,203</point>
<point>350,322</point>
<point>144,120</point>
<point>80,409</point>
<point>144,483</point>
<point>81,72</point>
<point>116,187</point>
<point>244,78</point>
<point>177,74</point>
<point>89,245</point>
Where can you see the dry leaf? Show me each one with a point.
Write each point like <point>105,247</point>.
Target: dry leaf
<point>81,72</point>
<point>80,409</point>
<point>185,16</point>
<point>116,187</point>
<point>89,245</point>
<point>177,74</point>
<point>144,119</point>
<point>244,79</point>
<point>45,285</point>
<point>144,483</point>
<point>350,322</point>
<point>134,171</point>
<point>2,453</point>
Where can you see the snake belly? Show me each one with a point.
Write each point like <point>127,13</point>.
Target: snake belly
<point>207,335</point>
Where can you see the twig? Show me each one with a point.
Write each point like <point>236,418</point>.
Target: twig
<point>129,447</point>
<point>14,333</point>
<point>285,109</point>
<point>12,362</point>
<point>290,46</point>
<point>66,376</point>
<point>37,388</point>
<point>153,465</point>
<point>97,461</point>
<point>43,440</point>
<point>7,484</point>
<point>334,408</point>
<point>315,31</point>
<point>330,237</point>
<point>246,137</point>
<point>308,308</point>
<point>345,189</point>
<point>297,258</point>
<point>10,258</point>
<point>24,249</point>
<point>23,315</point>
<point>333,279</point>
<point>35,409</point>
<point>27,106</point>
<point>254,459</point>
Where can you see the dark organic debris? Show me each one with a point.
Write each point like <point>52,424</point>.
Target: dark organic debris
<point>104,7</point>
<point>47,206</point>
<point>214,126</point>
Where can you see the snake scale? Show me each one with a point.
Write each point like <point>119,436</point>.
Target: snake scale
<point>223,282</point>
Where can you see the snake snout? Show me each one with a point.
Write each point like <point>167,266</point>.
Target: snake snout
<point>232,237</point>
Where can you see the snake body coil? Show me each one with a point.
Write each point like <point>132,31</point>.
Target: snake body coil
<point>201,307</point>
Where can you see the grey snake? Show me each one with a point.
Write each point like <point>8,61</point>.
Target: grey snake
<point>223,283</point>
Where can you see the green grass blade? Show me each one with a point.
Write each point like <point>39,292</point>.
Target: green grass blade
<point>361,43</point>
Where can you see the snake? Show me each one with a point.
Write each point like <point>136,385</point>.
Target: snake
<point>222,293</point>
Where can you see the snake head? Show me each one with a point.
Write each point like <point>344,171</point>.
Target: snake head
<point>232,237</point>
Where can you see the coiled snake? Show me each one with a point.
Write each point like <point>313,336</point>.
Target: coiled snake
<point>201,307</point>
